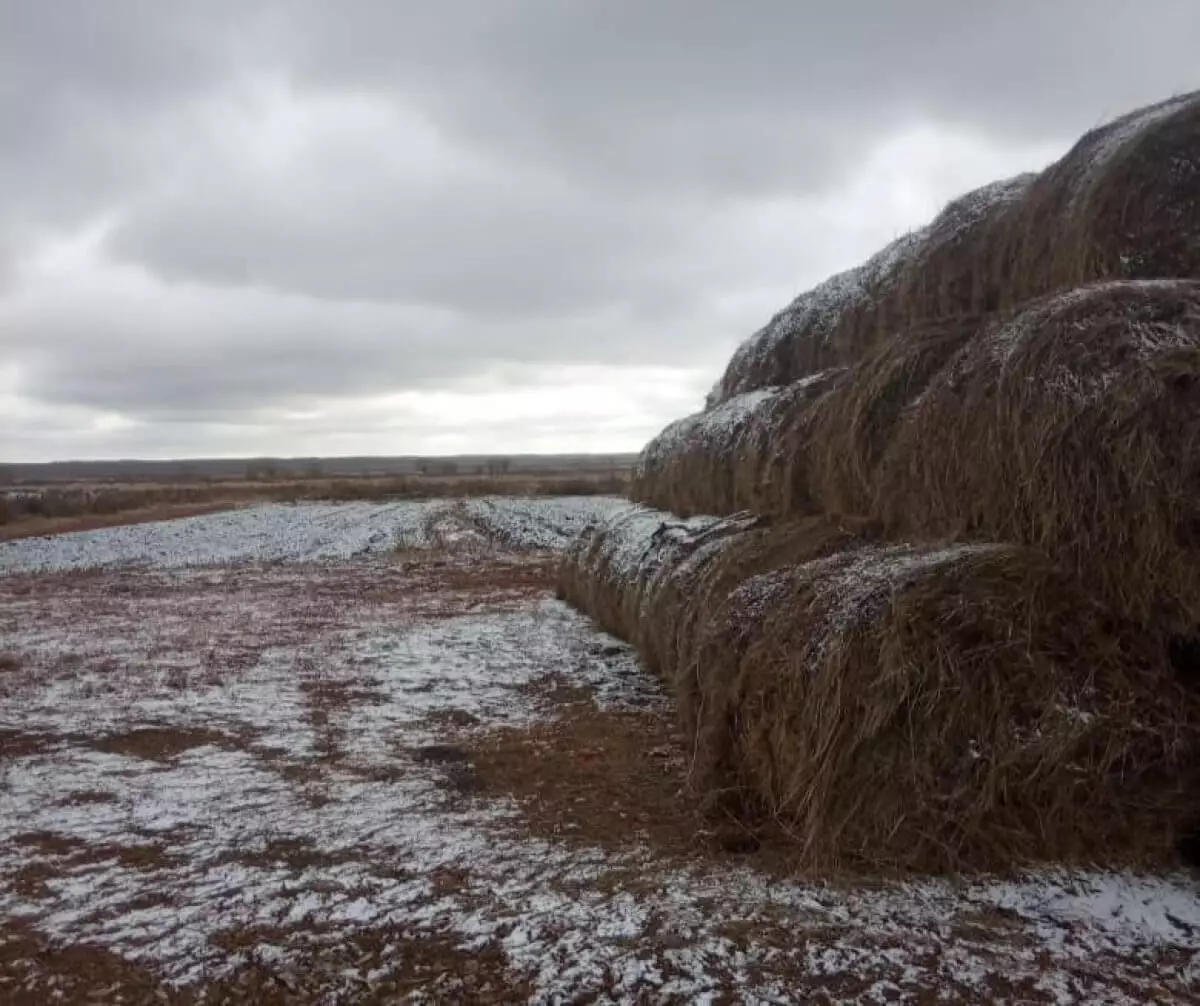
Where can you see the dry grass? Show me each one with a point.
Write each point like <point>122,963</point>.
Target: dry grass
<point>902,706</point>
<point>729,459</point>
<point>158,743</point>
<point>594,777</point>
<point>34,971</point>
<point>60,509</point>
<point>38,526</point>
<point>811,447</point>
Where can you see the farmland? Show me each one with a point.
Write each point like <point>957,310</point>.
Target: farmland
<point>359,752</point>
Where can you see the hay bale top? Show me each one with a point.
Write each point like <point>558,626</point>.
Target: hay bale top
<point>1096,150</point>
<point>1082,341</point>
<point>965,212</point>
<point>716,424</point>
<point>719,425</point>
<point>813,316</point>
<point>636,536</point>
<point>853,586</point>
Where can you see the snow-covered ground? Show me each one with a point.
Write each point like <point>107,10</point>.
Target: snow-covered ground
<point>308,532</point>
<point>205,761</point>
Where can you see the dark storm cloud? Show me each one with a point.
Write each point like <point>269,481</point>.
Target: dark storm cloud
<point>302,200</point>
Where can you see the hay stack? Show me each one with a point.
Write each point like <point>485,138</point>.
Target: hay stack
<point>921,707</point>
<point>1073,427</point>
<point>1018,388</point>
<point>1124,202</point>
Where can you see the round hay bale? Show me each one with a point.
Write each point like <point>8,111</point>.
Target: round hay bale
<point>1124,202</point>
<point>641,572</point>
<point>850,426</point>
<point>731,458</point>
<point>810,446</point>
<point>939,709</point>
<point>940,277</point>
<point>680,596</point>
<point>821,329</point>
<point>611,561</point>
<point>1073,427</point>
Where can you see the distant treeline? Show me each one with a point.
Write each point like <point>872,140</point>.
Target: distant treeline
<point>224,469</point>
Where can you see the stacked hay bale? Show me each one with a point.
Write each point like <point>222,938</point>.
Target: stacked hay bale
<point>933,594</point>
<point>931,707</point>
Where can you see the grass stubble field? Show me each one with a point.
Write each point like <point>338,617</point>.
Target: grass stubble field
<point>359,753</point>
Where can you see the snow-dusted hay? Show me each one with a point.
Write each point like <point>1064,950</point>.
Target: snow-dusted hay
<point>849,429</point>
<point>1073,427</point>
<point>901,706</point>
<point>822,329</point>
<point>729,458</point>
<point>812,446</point>
<point>941,708</point>
<point>1124,202</point>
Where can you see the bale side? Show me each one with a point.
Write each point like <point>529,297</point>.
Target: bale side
<point>897,706</point>
<point>1073,427</point>
<point>729,458</point>
<point>812,446</point>
<point>942,709</point>
<point>634,572</point>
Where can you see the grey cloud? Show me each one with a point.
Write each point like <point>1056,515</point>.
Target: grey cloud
<point>769,93</point>
<point>127,346</point>
<point>471,191</point>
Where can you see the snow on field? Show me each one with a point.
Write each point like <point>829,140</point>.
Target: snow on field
<point>542,523</point>
<point>199,767</point>
<point>307,532</point>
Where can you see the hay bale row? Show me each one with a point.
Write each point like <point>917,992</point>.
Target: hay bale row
<point>907,706</point>
<point>1124,202</point>
<point>1072,426</point>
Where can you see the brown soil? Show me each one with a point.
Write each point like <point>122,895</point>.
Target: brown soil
<point>157,744</point>
<point>609,778</point>
<point>34,971</point>
<point>19,743</point>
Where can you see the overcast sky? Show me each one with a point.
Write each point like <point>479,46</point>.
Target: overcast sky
<point>295,227</point>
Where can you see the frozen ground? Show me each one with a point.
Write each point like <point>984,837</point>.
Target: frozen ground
<point>311,532</point>
<point>218,773</point>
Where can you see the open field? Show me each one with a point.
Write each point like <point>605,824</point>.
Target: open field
<point>344,753</point>
<point>53,499</point>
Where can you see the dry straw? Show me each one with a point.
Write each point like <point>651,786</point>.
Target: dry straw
<point>1073,427</point>
<point>900,706</point>
<point>730,458</point>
